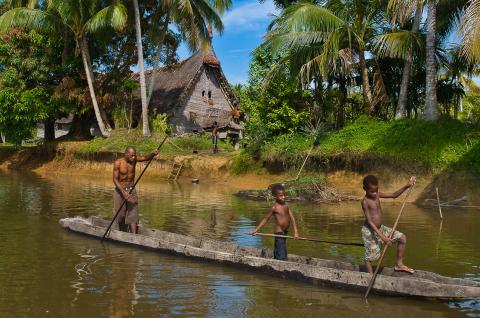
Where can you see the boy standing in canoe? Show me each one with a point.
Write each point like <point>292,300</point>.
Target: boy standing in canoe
<point>124,178</point>
<point>283,216</point>
<point>374,233</point>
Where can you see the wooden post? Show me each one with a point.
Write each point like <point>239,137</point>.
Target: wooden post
<point>439,205</point>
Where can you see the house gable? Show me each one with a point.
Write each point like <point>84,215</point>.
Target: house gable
<point>204,104</point>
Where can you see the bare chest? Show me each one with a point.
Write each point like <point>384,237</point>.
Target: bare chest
<point>126,170</point>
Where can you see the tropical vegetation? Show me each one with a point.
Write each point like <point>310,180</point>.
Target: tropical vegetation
<point>326,70</point>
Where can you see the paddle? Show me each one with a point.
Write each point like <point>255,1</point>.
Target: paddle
<point>372,281</point>
<point>308,239</point>
<point>131,190</point>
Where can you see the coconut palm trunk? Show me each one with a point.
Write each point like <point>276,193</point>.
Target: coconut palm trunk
<point>88,73</point>
<point>431,104</point>
<point>156,61</point>
<point>366,90</point>
<point>141,69</point>
<point>401,111</point>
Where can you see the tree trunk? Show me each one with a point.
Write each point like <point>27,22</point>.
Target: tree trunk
<point>431,104</point>
<point>401,111</point>
<point>88,73</point>
<point>65,46</point>
<point>143,88</point>
<point>366,90</point>
<point>156,61</point>
<point>340,122</point>
<point>49,130</point>
<point>103,114</point>
<point>80,128</point>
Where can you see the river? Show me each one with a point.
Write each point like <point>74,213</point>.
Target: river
<point>46,271</point>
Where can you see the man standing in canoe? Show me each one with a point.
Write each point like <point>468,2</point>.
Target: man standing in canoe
<point>124,178</point>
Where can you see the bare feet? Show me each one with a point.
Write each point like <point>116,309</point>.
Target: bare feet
<point>403,268</point>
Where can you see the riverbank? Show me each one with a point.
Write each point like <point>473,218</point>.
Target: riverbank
<point>404,145</point>
<point>444,155</point>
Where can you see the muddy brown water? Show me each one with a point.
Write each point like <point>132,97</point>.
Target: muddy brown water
<point>46,271</point>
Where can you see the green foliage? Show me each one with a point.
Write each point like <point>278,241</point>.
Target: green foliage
<point>305,186</point>
<point>286,148</point>
<point>244,162</point>
<point>471,109</point>
<point>160,125</point>
<point>122,138</point>
<point>279,107</point>
<point>21,110</point>
<point>121,117</point>
<point>28,75</point>
<point>415,144</point>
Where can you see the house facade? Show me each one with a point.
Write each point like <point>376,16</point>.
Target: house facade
<point>195,94</point>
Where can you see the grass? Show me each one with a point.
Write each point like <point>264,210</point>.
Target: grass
<point>413,144</point>
<point>433,145</point>
<point>123,138</point>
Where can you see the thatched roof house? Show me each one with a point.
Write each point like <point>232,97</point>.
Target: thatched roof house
<point>195,94</point>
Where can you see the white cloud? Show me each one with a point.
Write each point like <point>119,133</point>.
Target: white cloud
<point>249,16</point>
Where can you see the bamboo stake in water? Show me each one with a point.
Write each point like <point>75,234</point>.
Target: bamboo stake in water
<point>372,281</point>
<point>439,205</point>
<point>308,239</point>
<point>304,162</point>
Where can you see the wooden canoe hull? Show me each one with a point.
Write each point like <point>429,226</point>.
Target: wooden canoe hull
<point>314,270</point>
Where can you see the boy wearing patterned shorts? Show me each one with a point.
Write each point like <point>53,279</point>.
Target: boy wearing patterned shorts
<point>374,233</point>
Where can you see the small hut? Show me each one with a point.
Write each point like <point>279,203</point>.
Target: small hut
<point>195,94</point>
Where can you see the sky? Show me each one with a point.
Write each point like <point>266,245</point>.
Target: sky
<point>245,24</point>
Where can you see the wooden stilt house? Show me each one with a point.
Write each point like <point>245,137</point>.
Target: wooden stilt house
<point>195,94</point>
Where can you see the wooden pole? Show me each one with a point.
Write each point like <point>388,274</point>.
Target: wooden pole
<point>308,239</point>
<point>304,162</point>
<point>130,192</point>
<point>439,205</point>
<point>372,281</point>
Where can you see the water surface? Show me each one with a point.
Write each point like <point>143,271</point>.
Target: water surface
<point>46,271</point>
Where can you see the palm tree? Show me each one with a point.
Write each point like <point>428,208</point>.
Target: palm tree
<point>81,18</point>
<point>401,44</point>
<point>141,66</point>
<point>391,44</point>
<point>457,77</point>
<point>471,31</point>
<point>323,36</point>
<point>431,104</point>
<point>191,17</point>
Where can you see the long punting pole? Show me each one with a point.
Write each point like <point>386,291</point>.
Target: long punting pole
<point>130,192</point>
<point>308,239</point>
<point>372,281</point>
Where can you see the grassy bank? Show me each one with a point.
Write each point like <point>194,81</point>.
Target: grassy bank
<point>405,144</point>
<point>174,146</point>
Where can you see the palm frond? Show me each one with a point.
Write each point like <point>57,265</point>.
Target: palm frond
<point>114,16</point>
<point>35,19</point>
<point>402,10</point>
<point>470,30</point>
<point>396,44</point>
<point>71,12</point>
<point>221,5</point>
<point>304,17</point>
<point>206,12</point>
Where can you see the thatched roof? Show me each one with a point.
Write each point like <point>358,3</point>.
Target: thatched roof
<point>172,84</point>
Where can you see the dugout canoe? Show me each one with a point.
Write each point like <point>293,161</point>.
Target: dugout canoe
<point>317,271</point>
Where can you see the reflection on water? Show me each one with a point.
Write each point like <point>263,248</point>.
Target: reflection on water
<point>46,271</point>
